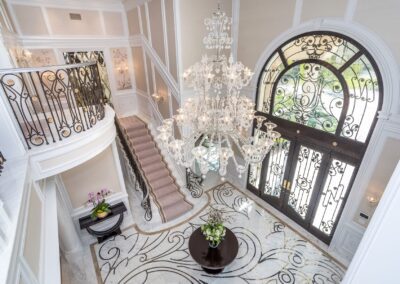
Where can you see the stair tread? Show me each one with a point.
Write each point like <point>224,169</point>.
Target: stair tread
<point>137,132</point>
<point>147,153</point>
<point>169,199</point>
<point>144,146</point>
<point>160,192</point>
<point>161,182</point>
<point>153,167</point>
<point>175,210</point>
<point>162,172</point>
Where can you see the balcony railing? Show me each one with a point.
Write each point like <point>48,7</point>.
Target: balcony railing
<point>52,103</point>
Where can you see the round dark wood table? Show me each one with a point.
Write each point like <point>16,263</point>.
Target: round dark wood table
<point>213,260</point>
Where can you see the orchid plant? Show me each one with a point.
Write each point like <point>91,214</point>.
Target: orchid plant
<point>97,200</point>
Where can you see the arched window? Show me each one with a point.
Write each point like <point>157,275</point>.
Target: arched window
<point>323,90</point>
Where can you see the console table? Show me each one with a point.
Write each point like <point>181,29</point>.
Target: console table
<point>116,209</point>
<point>213,260</point>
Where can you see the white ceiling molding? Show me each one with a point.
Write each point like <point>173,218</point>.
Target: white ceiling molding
<point>114,5</point>
<point>71,42</point>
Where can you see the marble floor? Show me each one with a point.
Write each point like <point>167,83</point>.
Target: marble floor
<point>269,251</point>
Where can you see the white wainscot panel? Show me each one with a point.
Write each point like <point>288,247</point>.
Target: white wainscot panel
<point>67,154</point>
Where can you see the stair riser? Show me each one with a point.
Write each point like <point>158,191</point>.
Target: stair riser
<point>138,132</point>
<point>160,183</point>
<point>157,175</point>
<point>147,153</point>
<point>167,200</point>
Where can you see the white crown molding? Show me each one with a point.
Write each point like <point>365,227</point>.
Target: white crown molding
<point>67,42</point>
<point>73,4</point>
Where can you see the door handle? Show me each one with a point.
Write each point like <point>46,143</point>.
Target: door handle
<point>288,186</point>
<point>284,184</point>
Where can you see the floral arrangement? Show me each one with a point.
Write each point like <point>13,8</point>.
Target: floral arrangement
<point>100,207</point>
<point>214,230</point>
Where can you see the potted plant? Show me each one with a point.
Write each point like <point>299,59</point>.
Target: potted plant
<point>100,207</point>
<point>101,210</point>
<point>214,230</point>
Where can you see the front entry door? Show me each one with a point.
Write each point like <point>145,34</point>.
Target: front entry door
<point>307,183</point>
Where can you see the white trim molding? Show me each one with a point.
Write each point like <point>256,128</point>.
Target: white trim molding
<point>64,155</point>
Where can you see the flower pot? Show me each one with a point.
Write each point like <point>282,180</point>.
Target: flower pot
<point>212,245</point>
<point>102,215</point>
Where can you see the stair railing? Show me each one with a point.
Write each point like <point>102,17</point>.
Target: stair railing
<point>194,183</point>
<point>140,180</point>
<point>52,103</point>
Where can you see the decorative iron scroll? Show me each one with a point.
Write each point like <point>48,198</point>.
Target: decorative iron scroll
<point>307,168</point>
<point>139,182</point>
<point>277,162</point>
<point>2,161</point>
<point>51,104</point>
<point>75,57</point>
<point>333,194</point>
<point>309,94</point>
<point>194,183</point>
<point>325,81</point>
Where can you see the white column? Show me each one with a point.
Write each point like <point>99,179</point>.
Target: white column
<point>69,238</point>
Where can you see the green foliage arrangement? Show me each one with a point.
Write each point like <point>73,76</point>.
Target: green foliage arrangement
<point>99,209</point>
<point>214,230</point>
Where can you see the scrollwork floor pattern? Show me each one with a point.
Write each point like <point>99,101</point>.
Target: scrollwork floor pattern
<point>269,252</point>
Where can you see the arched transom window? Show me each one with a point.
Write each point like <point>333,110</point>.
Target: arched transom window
<point>323,90</point>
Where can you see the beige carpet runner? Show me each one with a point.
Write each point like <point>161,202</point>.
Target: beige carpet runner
<point>163,187</point>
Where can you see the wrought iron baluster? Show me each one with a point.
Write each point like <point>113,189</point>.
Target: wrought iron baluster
<point>194,183</point>
<point>57,95</point>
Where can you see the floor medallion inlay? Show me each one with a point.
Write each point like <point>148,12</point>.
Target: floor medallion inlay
<point>269,251</point>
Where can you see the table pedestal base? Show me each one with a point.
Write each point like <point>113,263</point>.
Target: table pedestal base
<point>212,271</point>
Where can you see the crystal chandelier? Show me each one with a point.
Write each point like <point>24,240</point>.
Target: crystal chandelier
<point>218,115</point>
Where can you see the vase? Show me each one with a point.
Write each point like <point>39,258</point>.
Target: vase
<point>102,215</point>
<point>212,245</point>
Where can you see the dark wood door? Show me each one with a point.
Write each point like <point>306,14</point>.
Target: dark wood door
<point>306,182</point>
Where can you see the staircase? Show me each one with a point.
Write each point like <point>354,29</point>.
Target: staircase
<point>163,187</point>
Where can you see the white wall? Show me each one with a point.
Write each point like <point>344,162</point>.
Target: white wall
<point>98,173</point>
<point>378,257</point>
